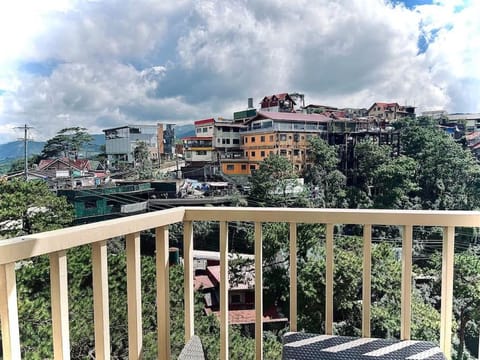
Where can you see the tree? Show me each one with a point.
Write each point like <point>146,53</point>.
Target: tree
<point>143,163</point>
<point>68,141</point>
<point>28,207</point>
<point>273,183</point>
<point>328,184</point>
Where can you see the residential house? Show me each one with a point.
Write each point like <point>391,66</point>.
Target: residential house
<point>199,151</point>
<point>241,295</point>
<point>278,103</point>
<point>390,111</point>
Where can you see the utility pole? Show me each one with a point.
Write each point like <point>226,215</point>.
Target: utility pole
<point>25,148</point>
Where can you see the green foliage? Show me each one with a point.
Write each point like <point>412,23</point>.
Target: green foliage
<point>67,141</point>
<point>28,207</point>
<point>272,183</point>
<point>143,164</point>
<point>328,184</point>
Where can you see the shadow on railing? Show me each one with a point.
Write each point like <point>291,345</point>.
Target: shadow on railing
<point>55,244</point>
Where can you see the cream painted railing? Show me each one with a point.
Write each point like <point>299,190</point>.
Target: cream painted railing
<point>55,244</point>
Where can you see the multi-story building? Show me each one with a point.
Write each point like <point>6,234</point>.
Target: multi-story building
<point>281,133</point>
<point>199,151</point>
<point>278,103</point>
<point>120,142</point>
<point>390,111</point>
<point>227,139</point>
<point>468,122</point>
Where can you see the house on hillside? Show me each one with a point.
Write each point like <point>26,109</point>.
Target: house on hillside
<point>241,296</point>
<point>390,111</point>
<point>278,103</point>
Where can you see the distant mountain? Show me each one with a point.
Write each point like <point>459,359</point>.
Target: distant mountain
<point>182,131</point>
<point>15,149</point>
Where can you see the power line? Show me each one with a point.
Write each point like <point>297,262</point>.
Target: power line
<point>25,147</point>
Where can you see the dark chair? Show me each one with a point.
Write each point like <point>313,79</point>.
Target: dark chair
<point>306,346</point>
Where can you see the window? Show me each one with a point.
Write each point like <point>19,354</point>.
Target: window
<point>246,153</point>
<point>252,167</point>
<point>262,138</point>
<point>218,141</point>
<point>283,137</point>
<point>271,138</point>
<point>296,152</point>
<point>201,152</point>
<point>245,140</point>
<point>262,154</point>
<point>236,298</point>
<point>199,130</point>
<point>227,141</point>
<point>252,139</point>
<point>253,153</point>
<point>236,141</point>
<point>204,129</point>
<point>283,152</point>
<point>230,167</point>
<point>244,167</point>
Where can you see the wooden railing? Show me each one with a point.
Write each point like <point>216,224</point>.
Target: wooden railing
<point>55,244</point>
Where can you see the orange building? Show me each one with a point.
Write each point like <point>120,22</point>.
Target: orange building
<point>282,133</point>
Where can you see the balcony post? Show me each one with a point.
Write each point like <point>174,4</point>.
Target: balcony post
<point>367,279</point>
<point>329,280</point>
<point>134,296</point>
<point>224,285</point>
<point>293,277</point>
<point>59,294</point>
<point>100,300</point>
<point>9,312</point>
<point>448,263</point>
<point>163,292</point>
<point>188,278</point>
<point>406,297</point>
<point>258,292</point>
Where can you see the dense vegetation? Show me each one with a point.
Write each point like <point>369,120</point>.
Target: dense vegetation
<point>431,171</point>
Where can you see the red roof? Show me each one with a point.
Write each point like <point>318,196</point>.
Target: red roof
<point>203,281</point>
<point>79,164</point>
<point>205,121</point>
<point>248,316</point>
<point>292,116</point>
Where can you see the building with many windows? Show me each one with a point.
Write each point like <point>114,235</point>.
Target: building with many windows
<point>120,142</point>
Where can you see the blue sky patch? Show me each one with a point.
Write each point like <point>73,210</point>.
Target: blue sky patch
<point>423,41</point>
<point>2,92</point>
<point>412,3</point>
<point>39,68</point>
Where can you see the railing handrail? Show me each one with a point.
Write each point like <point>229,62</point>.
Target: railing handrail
<point>24,247</point>
<point>55,243</point>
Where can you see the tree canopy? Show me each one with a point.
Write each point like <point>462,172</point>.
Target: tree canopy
<point>68,142</point>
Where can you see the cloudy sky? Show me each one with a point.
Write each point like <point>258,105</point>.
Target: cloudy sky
<point>105,63</point>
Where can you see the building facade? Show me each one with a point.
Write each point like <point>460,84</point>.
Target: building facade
<point>120,142</point>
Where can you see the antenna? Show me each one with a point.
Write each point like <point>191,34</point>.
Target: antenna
<point>25,147</point>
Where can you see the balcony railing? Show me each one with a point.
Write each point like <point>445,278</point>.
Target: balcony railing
<point>55,244</point>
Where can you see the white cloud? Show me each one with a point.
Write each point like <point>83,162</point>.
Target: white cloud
<point>106,63</point>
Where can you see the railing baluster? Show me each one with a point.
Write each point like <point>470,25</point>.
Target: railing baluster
<point>224,285</point>
<point>293,277</point>
<point>406,298</point>
<point>367,279</point>
<point>9,312</point>
<point>329,281</point>
<point>163,292</point>
<point>134,296</point>
<point>100,300</point>
<point>188,278</point>
<point>448,263</point>
<point>258,292</point>
<point>59,294</point>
